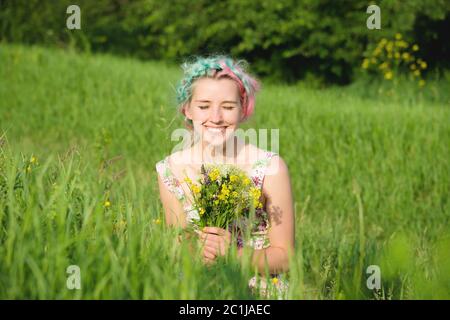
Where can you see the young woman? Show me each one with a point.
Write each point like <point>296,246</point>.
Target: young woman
<point>216,95</point>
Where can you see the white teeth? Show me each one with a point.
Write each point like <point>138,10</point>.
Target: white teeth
<point>216,130</point>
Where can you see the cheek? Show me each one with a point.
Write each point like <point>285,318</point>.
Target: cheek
<point>233,117</point>
<point>199,115</point>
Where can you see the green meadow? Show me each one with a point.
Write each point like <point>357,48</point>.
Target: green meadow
<point>80,135</point>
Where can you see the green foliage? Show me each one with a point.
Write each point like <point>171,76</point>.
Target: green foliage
<point>287,40</point>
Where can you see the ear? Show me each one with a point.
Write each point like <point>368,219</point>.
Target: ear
<point>187,111</point>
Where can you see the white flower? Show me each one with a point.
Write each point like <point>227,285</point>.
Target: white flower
<point>192,215</point>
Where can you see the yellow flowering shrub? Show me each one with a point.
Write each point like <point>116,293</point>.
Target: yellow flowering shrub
<point>390,57</point>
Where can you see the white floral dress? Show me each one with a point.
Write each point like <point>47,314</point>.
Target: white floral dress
<point>278,286</point>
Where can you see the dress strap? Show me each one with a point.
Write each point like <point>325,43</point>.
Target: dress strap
<point>169,179</point>
<point>259,168</point>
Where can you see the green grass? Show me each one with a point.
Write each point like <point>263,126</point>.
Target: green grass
<point>369,170</point>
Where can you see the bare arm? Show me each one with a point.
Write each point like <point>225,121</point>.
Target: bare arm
<point>280,207</point>
<point>174,212</point>
<point>173,209</point>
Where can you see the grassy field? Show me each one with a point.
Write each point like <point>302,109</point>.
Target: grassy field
<point>369,170</point>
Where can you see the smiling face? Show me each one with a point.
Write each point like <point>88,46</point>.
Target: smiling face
<point>215,109</point>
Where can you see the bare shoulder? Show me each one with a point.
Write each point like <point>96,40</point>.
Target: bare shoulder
<point>277,173</point>
<point>276,166</point>
<point>178,161</point>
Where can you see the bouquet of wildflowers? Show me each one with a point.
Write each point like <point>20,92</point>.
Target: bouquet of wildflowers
<point>225,197</point>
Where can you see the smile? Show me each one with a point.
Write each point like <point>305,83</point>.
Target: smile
<point>216,129</point>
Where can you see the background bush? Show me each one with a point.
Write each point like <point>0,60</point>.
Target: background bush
<point>287,40</point>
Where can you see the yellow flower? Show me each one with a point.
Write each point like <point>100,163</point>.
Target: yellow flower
<point>157,221</point>
<point>107,204</point>
<point>413,66</point>
<point>202,211</point>
<point>388,75</point>
<point>405,56</point>
<point>214,174</point>
<point>398,36</point>
<point>224,193</point>
<point>120,226</point>
<point>275,280</point>
<point>415,47</point>
<point>234,178</point>
<point>255,192</point>
<point>188,180</point>
<point>234,194</point>
<point>195,189</point>
<point>33,159</point>
<point>423,65</point>
<point>222,197</point>
<point>401,44</point>
<point>389,46</point>
<point>384,65</point>
<point>422,83</point>
<point>365,64</point>
<point>417,73</point>
<point>397,55</point>
<point>246,181</point>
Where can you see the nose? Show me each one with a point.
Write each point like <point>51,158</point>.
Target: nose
<point>216,115</point>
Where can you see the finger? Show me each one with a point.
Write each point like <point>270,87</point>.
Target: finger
<point>218,232</point>
<point>221,244</point>
<point>210,236</point>
<point>210,250</point>
<point>209,255</point>
<point>214,230</point>
<point>219,248</point>
<point>207,236</point>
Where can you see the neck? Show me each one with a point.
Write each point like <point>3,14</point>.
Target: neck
<point>223,153</point>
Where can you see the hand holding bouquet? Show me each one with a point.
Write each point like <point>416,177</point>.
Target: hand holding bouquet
<point>225,199</point>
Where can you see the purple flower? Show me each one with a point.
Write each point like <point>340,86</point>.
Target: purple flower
<point>256,180</point>
<point>262,226</point>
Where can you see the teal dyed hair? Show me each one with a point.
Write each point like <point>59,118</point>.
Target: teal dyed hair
<point>218,66</point>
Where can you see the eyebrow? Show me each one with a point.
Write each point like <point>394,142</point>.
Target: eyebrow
<point>226,101</point>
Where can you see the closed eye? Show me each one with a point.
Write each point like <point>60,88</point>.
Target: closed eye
<point>226,108</point>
